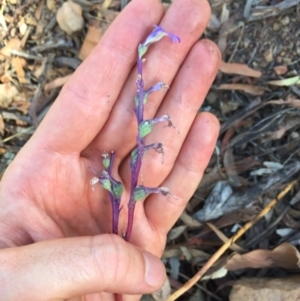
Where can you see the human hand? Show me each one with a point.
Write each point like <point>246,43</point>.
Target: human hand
<point>51,218</point>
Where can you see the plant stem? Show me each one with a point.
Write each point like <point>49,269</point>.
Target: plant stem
<point>135,168</point>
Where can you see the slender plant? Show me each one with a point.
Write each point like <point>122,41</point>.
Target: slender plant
<point>105,178</point>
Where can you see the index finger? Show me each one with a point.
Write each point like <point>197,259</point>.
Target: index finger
<point>85,102</point>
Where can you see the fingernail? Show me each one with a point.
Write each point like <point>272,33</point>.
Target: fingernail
<point>154,270</point>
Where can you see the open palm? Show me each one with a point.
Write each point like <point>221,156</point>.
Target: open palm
<point>46,194</point>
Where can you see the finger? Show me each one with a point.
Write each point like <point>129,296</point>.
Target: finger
<point>65,268</point>
<point>185,18</point>
<point>162,212</point>
<point>85,102</point>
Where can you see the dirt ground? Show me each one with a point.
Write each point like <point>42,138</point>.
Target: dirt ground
<point>238,226</point>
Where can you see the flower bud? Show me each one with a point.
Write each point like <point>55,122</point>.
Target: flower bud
<point>106,184</point>
<point>105,160</point>
<point>158,86</point>
<point>158,147</point>
<point>157,34</point>
<point>117,188</point>
<point>139,193</point>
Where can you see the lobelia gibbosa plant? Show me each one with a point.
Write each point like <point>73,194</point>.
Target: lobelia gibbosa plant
<point>137,192</point>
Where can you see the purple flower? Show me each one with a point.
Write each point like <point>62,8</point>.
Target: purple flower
<point>157,34</point>
<point>140,192</point>
<point>158,86</point>
<point>158,147</point>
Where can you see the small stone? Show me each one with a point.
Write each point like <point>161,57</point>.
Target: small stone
<point>23,29</point>
<point>29,19</point>
<point>69,17</point>
<point>246,43</point>
<point>13,32</point>
<point>280,70</point>
<point>211,97</point>
<point>276,26</point>
<point>285,20</point>
<point>287,60</point>
<point>51,5</point>
<point>279,59</point>
<point>294,135</point>
<point>268,55</point>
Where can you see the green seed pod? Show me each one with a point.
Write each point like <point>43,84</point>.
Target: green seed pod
<point>139,193</point>
<point>117,189</point>
<point>134,154</point>
<point>106,184</point>
<point>106,160</point>
<point>145,128</point>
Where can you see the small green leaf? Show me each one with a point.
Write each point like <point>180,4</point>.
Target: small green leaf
<point>139,193</point>
<point>145,128</point>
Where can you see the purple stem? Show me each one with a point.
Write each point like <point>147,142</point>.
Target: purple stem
<point>135,168</point>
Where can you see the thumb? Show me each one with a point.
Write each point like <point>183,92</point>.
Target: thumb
<point>64,268</point>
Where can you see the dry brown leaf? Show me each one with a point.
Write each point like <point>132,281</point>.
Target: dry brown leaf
<point>289,123</point>
<point>69,17</point>
<point>92,38</point>
<point>39,69</point>
<point>21,105</point>
<point>254,90</point>
<point>280,70</point>
<point>293,102</point>
<point>171,253</point>
<point>13,44</point>
<point>18,64</point>
<point>58,82</point>
<point>176,232</point>
<point>267,289</point>
<point>284,256</point>
<point>241,69</point>
<point>7,94</point>
<point>29,19</point>
<point>230,168</point>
